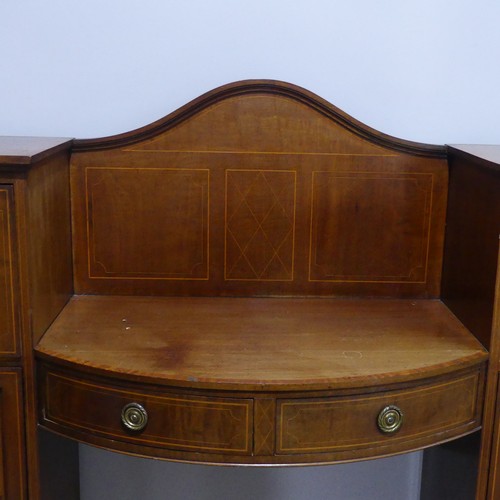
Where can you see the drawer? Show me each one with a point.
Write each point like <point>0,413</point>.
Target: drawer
<point>355,423</point>
<point>172,420</point>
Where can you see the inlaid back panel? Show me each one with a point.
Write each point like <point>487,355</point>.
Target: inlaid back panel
<point>259,224</point>
<point>259,191</point>
<point>160,214</point>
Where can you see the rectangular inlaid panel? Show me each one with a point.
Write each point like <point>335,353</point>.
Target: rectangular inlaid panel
<point>260,225</point>
<point>370,227</point>
<point>7,299</point>
<point>13,446</point>
<point>147,223</point>
<point>191,423</point>
<point>335,424</point>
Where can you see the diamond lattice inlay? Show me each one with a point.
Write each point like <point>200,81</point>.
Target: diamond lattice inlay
<point>260,219</point>
<point>265,416</point>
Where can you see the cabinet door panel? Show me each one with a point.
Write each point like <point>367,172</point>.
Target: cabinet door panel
<point>8,319</point>
<point>12,459</point>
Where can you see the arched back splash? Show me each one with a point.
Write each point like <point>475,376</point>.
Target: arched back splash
<point>258,188</point>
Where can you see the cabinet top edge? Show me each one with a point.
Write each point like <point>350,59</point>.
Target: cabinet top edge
<point>487,154</point>
<point>23,151</point>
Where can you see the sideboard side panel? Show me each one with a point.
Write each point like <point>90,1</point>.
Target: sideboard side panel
<point>49,240</point>
<point>471,243</point>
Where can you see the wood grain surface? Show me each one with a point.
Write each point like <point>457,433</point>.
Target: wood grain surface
<point>260,344</point>
<point>9,299</point>
<point>12,451</point>
<point>258,189</point>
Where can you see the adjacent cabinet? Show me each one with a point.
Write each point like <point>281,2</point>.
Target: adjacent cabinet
<point>12,459</point>
<point>257,278</point>
<point>31,293</point>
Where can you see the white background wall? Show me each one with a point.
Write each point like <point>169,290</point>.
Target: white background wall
<point>425,70</point>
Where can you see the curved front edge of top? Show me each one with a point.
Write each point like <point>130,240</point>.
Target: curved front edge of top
<point>273,93</point>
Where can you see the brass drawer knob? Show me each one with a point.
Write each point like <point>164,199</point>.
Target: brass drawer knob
<point>134,417</point>
<point>390,419</point>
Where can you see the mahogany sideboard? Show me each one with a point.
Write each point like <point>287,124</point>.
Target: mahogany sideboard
<point>255,279</point>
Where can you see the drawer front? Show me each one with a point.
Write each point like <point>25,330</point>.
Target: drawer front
<point>8,320</point>
<point>350,423</point>
<point>175,421</point>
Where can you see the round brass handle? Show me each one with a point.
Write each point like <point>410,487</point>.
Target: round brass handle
<point>134,417</point>
<point>390,419</point>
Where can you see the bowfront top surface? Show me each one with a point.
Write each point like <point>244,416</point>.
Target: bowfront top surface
<point>260,344</point>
